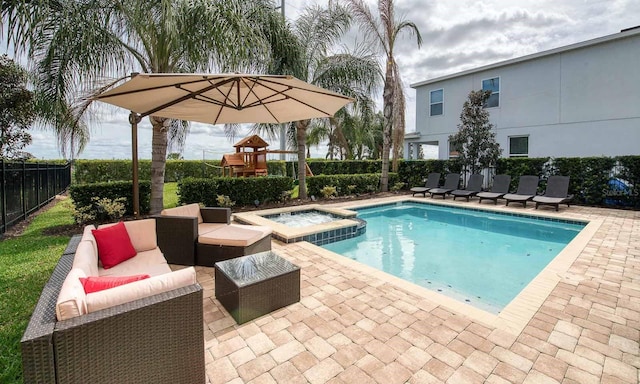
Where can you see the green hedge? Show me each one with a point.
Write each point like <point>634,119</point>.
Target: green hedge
<point>366,183</point>
<point>414,172</point>
<point>81,194</point>
<point>344,167</point>
<point>628,169</point>
<point>520,166</point>
<point>589,176</point>
<point>96,171</point>
<point>277,168</point>
<point>242,190</point>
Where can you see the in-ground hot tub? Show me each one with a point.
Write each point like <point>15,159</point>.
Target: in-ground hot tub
<point>314,223</point>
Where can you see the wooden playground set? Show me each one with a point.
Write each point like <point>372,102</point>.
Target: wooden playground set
<point>250,158</point>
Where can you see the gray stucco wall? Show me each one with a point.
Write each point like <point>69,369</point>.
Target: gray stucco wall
<point>578,102</point>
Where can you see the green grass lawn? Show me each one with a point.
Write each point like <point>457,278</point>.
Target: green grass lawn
<point>26,262</point>
<point>170,195</point>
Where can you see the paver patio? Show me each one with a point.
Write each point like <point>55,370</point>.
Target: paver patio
<point>357,326</point>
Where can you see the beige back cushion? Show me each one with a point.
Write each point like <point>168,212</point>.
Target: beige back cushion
<point>140,289</point>
<point>86,258</point>
<point>190,210</point>
<point>142,233</point>
<point>72,301</point>
<point>87,235</point>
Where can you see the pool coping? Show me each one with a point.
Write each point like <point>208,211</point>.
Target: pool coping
<point>517,314</point>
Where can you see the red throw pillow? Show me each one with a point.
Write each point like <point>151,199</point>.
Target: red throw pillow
<point>99,283</point>
<point>114,245</point>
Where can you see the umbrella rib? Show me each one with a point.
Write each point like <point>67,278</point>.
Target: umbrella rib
<point>122,93</point>
<point>289,87</point>
<point>223,104</point>
<point>318,91</point>
<point>261,101</point>
<point>189,95</point>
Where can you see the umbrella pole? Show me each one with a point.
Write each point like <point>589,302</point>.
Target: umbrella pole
<point>134,119</point>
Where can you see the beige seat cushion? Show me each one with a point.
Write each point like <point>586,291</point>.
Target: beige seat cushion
<point>148,262</point>
<point>189,210</point>
<point>209,227</point>
<point>235,235</point>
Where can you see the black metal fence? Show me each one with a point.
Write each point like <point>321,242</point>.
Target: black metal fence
<point>27,186</point>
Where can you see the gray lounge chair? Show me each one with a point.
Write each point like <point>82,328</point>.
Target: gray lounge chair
<point>527,189</point>
<point>498,190</point>
<point>433,180</point>
<point>557,192</point>
<point>451,182</point>
<point>473,187</point>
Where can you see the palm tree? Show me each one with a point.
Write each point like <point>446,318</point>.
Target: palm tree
<point>384,31</point>
<point>75,44</point>
<point>318,30</point>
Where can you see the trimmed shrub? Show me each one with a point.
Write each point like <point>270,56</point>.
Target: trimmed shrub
<point>242,190</point>
<point>414,172</point>
<point>96,171</point>
<point>277,168</point>
<point>83,195</point>
<point>344,167</point>
<point>629,171</point>
<point>99,171</point>
<point>520,166</point>
<point>347,184</point>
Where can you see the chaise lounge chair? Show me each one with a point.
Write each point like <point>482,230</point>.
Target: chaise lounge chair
<point>450,183</point>
<point>527,189</point>
<point>433,180</point>
<point>474,186</point>
<point>556,193</point>
<point>498,190</point>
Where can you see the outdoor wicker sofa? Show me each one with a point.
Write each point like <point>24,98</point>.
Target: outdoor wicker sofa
<point>155,339</point>
<point>191,235</point>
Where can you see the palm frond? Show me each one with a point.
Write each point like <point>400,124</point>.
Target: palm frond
<point>369,25</point>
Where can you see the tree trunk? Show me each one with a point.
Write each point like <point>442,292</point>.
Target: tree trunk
<point>301,136</point>
<point>387,97</point>
<point>158,162</point>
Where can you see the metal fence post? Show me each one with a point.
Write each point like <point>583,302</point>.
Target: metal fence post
<point>3,201</point>
<point>23,190</point>
<point>38,184</point>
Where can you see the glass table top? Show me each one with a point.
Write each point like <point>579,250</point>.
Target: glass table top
<point>246,270</point>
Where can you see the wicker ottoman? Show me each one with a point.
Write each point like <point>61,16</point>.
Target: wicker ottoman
<point>254,285</point>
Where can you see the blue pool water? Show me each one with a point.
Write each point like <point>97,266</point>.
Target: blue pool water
<point>481,258</point>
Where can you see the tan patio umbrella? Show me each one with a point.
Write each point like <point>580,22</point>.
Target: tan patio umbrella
<point>219,99</point>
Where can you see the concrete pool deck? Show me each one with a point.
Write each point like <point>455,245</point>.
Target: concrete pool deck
<point>580,324</point>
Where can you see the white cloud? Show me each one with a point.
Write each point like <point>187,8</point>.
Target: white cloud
<point>458,35</point>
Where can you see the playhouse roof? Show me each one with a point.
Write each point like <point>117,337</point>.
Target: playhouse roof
<point>253,141</point>
<point>232,160</point>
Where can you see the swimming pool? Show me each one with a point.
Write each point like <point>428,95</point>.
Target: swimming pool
<point>481,258</point>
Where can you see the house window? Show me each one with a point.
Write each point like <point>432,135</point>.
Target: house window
<point>492,85</point>
<point>518,146</point>
<point>436,102</point>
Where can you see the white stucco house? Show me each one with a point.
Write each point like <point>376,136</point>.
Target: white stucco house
<point>579,100</point>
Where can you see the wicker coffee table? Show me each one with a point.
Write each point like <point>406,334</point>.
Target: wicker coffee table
<point>254,285</point>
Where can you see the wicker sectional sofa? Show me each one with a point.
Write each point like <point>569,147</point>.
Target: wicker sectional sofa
<point>191,235</point>
<point>148,331</point>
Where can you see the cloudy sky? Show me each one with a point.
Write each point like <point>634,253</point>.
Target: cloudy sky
<point>458,35</point>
